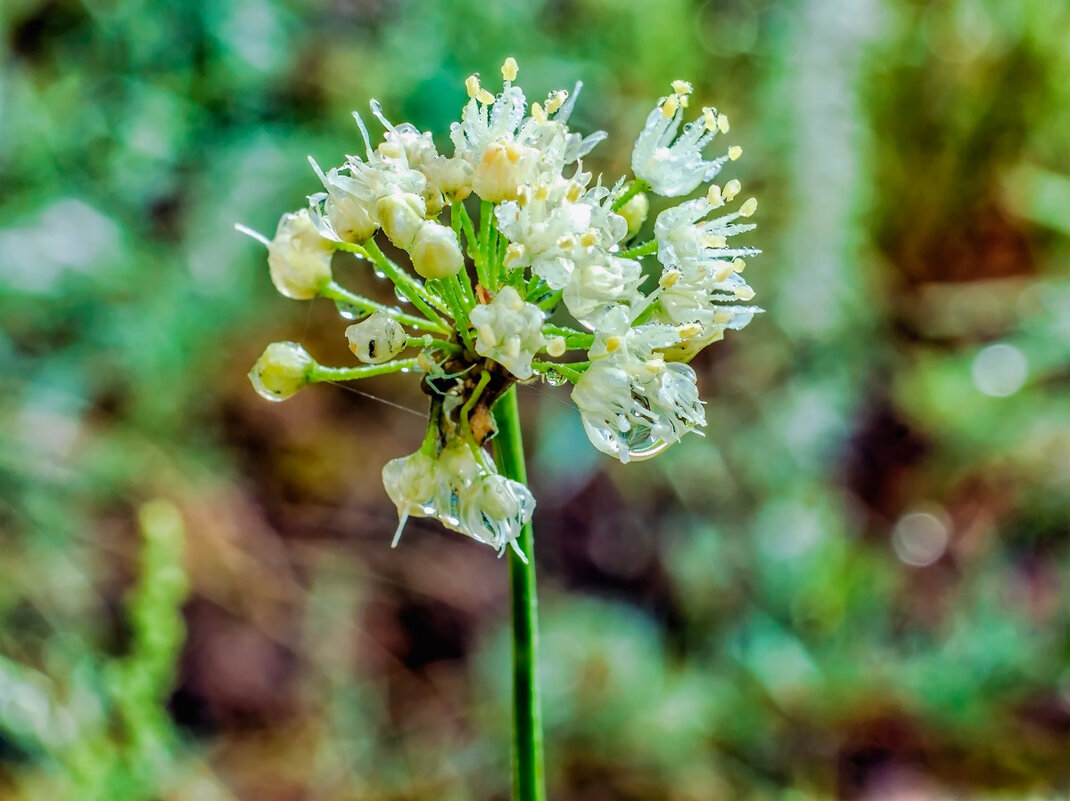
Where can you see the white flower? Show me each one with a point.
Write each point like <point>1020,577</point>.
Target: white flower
<point>282,369</point>
<point>634,409</point>
<point>298,257</point>
<point>347,211</point>
<point>597,283</point>
<point>463,491</point>
<point>508,150</point>
<point>376,339</point>
<point>701,281</point>
<point>554,216</point>
<point>435,252</point>
<point>509,330</point>
<point>633,403</point>
<point>674,166</point>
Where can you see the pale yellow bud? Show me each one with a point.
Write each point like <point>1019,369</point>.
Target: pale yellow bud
<point>556,347</point>
<point>401,215</point>
<point>435,252</point>
<point>505,166</point>
<point>282,369</point>
<point>299,258</point>
<point>377,339</point>
<point>635,212</point>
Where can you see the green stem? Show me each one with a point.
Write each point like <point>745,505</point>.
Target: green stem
<point>529,781</point>
<point>408,286</point>
<point>644,249</point>
<point>340,294</point>
<point>638,185</point>
<point>573,371</point>
<point>320,373</point>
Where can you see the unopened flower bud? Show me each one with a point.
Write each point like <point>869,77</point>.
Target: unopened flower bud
<point>282,369</point>
<point>299,258</point>
<point>401,215</point>
<point>634,212</point>
<point>435,252</point>
<point>377,339</point>
<point>505,166</point>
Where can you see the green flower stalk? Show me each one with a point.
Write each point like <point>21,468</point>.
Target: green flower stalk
<point>549,268</point>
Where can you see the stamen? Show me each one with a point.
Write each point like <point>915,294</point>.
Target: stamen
<point>735,152</point>
<point>510,69</point>
<point>731,189</point>
<point>750,205</point>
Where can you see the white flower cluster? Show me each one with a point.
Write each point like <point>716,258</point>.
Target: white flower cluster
<point>551,245</point>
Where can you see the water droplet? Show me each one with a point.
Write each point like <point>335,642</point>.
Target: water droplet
<point>379,273</point>
<point>401,297</point>
<point>648,451</point>
<point>554,378</point>
<point>347,311</point>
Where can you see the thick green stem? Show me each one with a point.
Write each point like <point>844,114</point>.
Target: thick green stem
<point>529,781</point>
<point>339,294</point>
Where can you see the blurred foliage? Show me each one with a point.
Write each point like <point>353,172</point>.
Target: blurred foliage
<point>855,586</point>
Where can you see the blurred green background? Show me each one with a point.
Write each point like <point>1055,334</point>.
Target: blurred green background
<point>855,586</point>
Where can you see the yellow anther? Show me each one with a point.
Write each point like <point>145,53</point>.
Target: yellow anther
<point>538,113</point>
<point>738,265</point>
<point>735,152</point>
<point>390,150</point>
<point>484,97</point>
<point>613,344</point>
<point>714,241</point>
<point>709,119</point>
<point>572,194</point>
<point>682,87</point>
<point>541,192</point>
<point>555,100</point>
<point>510,69</point>
<point>722,316</point>
<point>689,331</point>
<point>471,85</point>
<point>731,189</point>
<point>523,196</point>
<point>685,101</point>
<point>567,242</point>
<point>750,205</point>
<point>714,196</point>
<point>668,108</point>
<point>723,274</point>
<point>722,123</point>
<point>656,364</point>
<point>513,252</point>
<point>556,347</point>
<point>744,292</point>
<point>669,278</point>
<point>589,239</point>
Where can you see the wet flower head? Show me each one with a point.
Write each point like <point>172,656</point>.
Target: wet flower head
<point>554,264</point>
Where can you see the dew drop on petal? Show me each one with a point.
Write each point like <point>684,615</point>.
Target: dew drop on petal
<point>554,378</point>
<point>347,311</point>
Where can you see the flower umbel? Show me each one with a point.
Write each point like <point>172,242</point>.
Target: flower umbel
<point>551,265</point>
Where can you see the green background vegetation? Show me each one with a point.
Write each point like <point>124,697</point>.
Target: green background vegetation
<point>855,586</point>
